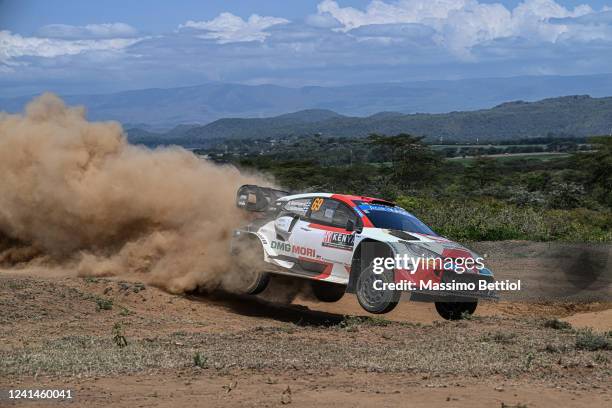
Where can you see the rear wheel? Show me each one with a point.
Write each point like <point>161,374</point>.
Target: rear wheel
<point>257,284</point>
<point>456,310</point>
<point>371,299</point>
<point>328,292</point>
<point>247,275</point>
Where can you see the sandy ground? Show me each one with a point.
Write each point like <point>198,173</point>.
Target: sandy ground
<point>336,389</point>
<point>61,332</point>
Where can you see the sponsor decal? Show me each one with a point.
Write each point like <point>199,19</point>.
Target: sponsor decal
<point>281,246</point>
<point>293,249</point>
<point>299,207</point>
<point>338,240</point>
<point>366,208</point>
<point>263,239</point>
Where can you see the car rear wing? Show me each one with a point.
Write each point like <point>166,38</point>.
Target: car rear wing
<point>258,199</point>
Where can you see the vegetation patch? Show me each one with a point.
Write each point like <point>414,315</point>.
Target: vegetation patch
<point>353,322</point>
<point>199,360</point>
<point>103,304</point>
<point>589,340</point>
<point>557,324</point>
<point>557,198</point>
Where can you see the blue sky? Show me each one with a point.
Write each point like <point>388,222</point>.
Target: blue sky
<point>96,47</point>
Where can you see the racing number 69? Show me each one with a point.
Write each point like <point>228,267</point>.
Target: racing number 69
<point>316,204</point>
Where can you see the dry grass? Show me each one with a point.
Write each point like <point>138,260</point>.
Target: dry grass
<point>441,349</point>
<point>38,341</point>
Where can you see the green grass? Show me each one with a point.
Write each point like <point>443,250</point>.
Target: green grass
<point>199,360</point>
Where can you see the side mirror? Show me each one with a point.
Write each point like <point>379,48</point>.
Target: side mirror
<point>350,226</point>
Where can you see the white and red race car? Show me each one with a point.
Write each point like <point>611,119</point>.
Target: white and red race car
<point>346,243</point>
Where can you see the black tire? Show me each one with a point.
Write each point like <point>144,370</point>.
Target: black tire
<point>258,284</point>
<point>328,292</point>
<point>456,310</point>
<point>248,264</point>
<point>372,300</point>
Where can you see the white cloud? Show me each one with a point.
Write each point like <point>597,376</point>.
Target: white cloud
<point>462,24</point>
<point>107,30</point>
<point>322,20</point>
<point>383,41</point>
<point>15,46</point>
<point>229,28</point>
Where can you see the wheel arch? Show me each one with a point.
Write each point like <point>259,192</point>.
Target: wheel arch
<point>248,236</point>
<point>361,257</point>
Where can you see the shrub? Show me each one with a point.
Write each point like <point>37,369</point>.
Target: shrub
<point>590,341</point>
<point>488,219</point>
<point>502,338</point>
<point>557,324</point>
<point>199,360</point>
<point>118,337</point>
<point>104,304</point>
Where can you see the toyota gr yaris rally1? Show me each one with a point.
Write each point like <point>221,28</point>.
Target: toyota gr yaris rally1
<point>343,243</point>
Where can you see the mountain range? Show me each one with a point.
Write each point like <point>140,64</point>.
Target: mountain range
<point>162,109</point>
<point>579,115</point>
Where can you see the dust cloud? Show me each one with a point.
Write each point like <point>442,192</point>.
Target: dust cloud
<point>76,195</point>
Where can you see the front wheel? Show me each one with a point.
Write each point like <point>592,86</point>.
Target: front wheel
<point>456,310</point>
<point>376,300</point>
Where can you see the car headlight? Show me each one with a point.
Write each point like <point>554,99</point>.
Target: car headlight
<point>421,251</point>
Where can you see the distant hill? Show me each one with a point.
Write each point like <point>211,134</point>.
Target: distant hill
<point>146,136</point>
<point>162,109</point>
<point>564,116</point>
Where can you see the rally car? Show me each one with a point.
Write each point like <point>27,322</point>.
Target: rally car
<point>336,241</point>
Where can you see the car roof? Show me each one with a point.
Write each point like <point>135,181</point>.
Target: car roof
<point>306,195</point>
<point>347,198</point>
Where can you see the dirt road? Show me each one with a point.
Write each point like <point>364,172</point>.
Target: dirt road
<point>222,350</point>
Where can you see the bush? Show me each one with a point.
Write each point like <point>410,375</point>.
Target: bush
<point>557,324</point>
<point>199,360</point>
<point>590,341</point>
<point>104,304</point>
<point>501,337</point>
<point>118,336</point>
<point>488,219</point>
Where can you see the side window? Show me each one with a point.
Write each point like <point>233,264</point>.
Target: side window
<point>331,212</point>
<point>322,210</point>
<point>298,207</point>
<point>341,216</point>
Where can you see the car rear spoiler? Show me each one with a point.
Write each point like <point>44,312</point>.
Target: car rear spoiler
<point>259,199</point>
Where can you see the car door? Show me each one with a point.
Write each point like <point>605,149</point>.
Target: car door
<point>324,231</point>
<point>308,233</point>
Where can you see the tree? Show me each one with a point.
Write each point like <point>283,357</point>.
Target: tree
<point>597,167</point>
<point>413,163</point>
<point>481,171</point>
